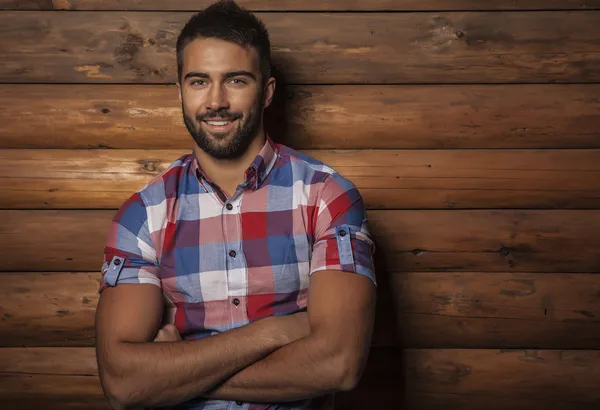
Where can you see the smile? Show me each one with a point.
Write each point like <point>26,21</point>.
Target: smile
<point>218,122</point>
<point>219,125</point>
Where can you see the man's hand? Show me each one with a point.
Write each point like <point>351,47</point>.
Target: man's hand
<point>167,333</point>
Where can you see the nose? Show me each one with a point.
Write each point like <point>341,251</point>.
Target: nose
<point>217,98</point>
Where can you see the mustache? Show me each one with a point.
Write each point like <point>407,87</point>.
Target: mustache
<point>220,114</point>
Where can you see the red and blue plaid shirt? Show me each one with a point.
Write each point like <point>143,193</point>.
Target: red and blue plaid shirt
<point>225,262</point>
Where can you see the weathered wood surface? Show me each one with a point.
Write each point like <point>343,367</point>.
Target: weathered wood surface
<point>407,240</point>
<point>477,379</point>
<point>387,179</point>
<point>313,117</point>
<point>313,48</point>
<point>450,309</point>
<point>302,5</point>
<point>444,378</point>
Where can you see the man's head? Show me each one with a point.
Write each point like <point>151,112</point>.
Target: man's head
<point>224,78</point>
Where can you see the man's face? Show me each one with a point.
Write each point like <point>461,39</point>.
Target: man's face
<point>222,96</point>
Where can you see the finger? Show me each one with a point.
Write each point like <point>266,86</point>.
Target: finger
<point>159,336</point>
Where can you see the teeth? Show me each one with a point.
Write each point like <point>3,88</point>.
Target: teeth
<point>218,123</point>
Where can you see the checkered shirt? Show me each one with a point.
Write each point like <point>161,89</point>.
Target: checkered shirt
<point>225,262</point>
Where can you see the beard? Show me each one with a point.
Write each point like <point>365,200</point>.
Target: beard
<point>216,144</point>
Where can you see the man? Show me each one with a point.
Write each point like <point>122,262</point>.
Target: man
<point>257,256</point>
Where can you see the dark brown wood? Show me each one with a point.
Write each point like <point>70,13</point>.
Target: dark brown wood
<point>450,309</point>
<point>387,179</point>
<point>414,379</point>
<point>313,48</point>
<point>407,240</point>
<point>291,5</point>
<point>313,117</point>
<point>467,379</point>
<point>496,240</point>
<point>48,309</point>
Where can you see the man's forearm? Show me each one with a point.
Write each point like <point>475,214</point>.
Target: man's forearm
<point>159,374</point>
<point>299,370</point>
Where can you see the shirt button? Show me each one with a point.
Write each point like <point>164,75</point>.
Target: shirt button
<point>232,253</point>
<point>239,403</point>
<point>342,233</point>
<point>117,262</point>
<point>229,207</point>
<point>236,301</point>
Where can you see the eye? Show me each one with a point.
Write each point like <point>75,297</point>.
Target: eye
<point>197,82</point>
<point>237,81</point>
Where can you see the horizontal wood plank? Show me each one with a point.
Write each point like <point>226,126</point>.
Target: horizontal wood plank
<point>302,5</point>
<point>468,379</point>
<point>450,309</point>
<point>313,48</point>
<point>445,378</point>
<point>387,179</point>
<point>407,240</point>
<point>313,117</point>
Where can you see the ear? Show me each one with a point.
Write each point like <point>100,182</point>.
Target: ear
<point>179,93</point>
<point>269,91</point>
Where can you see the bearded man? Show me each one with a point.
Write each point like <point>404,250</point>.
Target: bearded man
<point>242,276</point>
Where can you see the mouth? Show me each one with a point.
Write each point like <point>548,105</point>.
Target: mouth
<point>219,125</point>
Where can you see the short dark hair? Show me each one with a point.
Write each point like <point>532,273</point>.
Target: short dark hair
<point>227,21</point>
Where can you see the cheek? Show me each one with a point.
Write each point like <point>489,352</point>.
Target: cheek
<point>243,100</point>
<point>192,102</point>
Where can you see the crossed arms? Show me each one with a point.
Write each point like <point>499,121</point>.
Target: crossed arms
<point>275,359</point>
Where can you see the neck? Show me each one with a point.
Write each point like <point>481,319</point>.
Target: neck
<point>229,173</point>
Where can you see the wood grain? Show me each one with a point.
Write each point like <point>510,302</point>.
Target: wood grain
<point>407,240</point>
<point>441,310</point>
<point>471,379</point>
<point>446,378</point>
<point>304,5</point>
<point>387,179</point>
<point>313,117</point>
<point>313,48</point>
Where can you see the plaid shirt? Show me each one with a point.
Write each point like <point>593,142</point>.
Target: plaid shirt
<point>225,262</point>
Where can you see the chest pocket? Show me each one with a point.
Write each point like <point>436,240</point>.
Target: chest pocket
<point>195,274</point>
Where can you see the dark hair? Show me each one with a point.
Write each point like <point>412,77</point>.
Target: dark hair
<point>227,21</point>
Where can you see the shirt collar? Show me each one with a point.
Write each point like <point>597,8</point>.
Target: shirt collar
<point>256,173</point>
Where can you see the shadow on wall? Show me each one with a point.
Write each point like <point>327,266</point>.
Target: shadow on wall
<point>276,123</point>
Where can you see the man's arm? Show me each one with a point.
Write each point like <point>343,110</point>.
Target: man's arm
<point>137,373</point>
<point>341,309</point>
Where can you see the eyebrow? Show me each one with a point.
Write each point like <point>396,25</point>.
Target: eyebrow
<point>228,75</point>
<point>238,74</point>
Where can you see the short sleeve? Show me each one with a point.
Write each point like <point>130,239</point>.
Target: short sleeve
<point>129,255</point>
<point>342,238</point>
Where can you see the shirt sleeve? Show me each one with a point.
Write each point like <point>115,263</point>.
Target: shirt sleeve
<point>129,255</point>
<point>342,239</point>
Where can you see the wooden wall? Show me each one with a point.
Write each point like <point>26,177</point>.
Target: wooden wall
<point>471,127</point>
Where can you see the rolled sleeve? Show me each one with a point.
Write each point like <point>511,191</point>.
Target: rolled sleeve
<point>129,255</point>
<point>342,238</point>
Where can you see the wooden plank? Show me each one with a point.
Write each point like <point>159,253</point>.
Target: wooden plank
<point>387,179</point>
<point>472,379</point>
<point>65,378</point>
<point>48,309</point>
<point>450,309</point>
<point>313,117</point>
<point>302,5</point>
<point>313,48</point>
<point>407,240</point>
<point>446,378</point>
